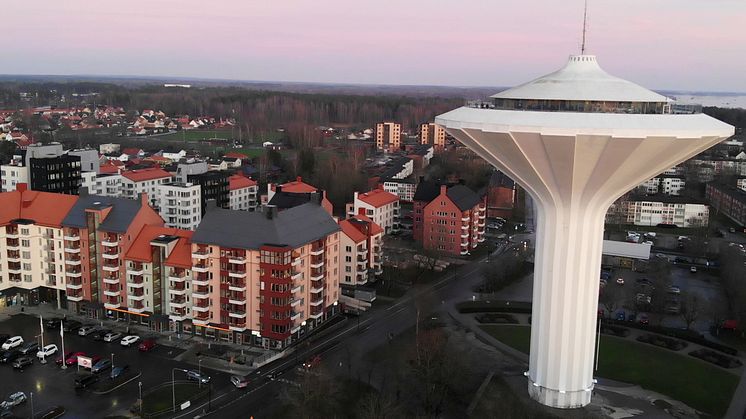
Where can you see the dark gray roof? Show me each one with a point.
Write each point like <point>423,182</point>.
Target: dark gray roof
<point>426,191</point>
<point>251,230</point>
<point>463,197</point>
<point>285,200</point>
<point>120,217</point>
<point>500,179</point>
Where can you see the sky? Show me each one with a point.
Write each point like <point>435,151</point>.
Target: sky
<point>695,45</point>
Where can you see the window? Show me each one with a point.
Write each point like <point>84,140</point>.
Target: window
<point>25,243</point>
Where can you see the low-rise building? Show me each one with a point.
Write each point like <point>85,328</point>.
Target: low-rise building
<point>180,204</point>
<point>500,196</point>
<point>668,210</point>
<point>665,184</point>
<point>14,173</point>
<point>295,193</point>
<point>403,188</point>
<point>728,200</point>
<point>136,182</point>
<point>361,250</point>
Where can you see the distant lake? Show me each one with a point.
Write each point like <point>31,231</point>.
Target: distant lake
<point>727,100</point>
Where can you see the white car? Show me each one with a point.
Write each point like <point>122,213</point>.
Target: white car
<point>13,342</point>
<point>47,351</point>
<point>129,340</point>
<point>86,330</point>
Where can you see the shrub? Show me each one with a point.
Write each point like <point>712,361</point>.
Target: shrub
<point>716,358</point>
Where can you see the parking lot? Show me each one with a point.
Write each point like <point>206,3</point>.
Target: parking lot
<point>53,386</point>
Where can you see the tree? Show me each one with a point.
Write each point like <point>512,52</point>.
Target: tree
<point>609,298</point>
<point>316,397</point>
<point>690,309</point>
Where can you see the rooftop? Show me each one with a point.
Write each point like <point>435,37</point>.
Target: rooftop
<point>141,175</point>
<point>118,219</point>
<point>378,198</point>
<point>298,186</point>
<point>293,227</point>
<point>239,181</point>
<point>43,208</point>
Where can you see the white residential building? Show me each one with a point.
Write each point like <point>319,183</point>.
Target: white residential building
<point>180,204</point>
<point>403,188</point>
<point>243,193</point>
<point>381,206</point>
<point>679,213</point>
<point>14,173</point>
<point>135,182</point>
<point>668,185</point>
<point>741,184</point>
<point>361,250</point>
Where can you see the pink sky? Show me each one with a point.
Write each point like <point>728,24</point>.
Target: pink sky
<point>661,44</point>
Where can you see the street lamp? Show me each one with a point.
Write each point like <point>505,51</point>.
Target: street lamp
<point>199,370</point>
<point>41,336</point>
<point>32,403</point>
<point>112,360</point>
<point>173,385</point>
<point>139,384</point>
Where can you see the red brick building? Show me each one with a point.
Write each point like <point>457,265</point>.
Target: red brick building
<point>500,196</point>
<point>449,219</point>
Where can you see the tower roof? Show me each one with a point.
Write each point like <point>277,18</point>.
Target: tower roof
<point>581,79</point>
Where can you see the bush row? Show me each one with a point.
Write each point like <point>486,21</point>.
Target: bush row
<point>494,307</point>
<point>688,335</point>
<point>496,318</point>
<point>663,342</point>
<point>716,358</point>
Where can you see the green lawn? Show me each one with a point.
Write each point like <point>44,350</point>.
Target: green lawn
<point>701,386</point>
<point>162,398</point>
<point>199,134</point>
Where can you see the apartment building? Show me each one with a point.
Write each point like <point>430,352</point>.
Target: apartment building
<point>264,277</point>
<point>741,183</point>
<point>361,250</point>
<point>13,173</point>
<point>103,184</point>
<point>180,204</point>
<point>403,188</point>
<point>137,182</point>
<point>500,195</point>
<point>665,184</point>
<point>214,187</point>
<point>32,263</point>
<point>381,206</point>
<point>158,268</point>
<point>448,219</point>
<point>242,193</point>
<point>669,210</point>
<point>98,232</point>
<point>728,200</point>
<point>434,135</point>
<point>388,137</point>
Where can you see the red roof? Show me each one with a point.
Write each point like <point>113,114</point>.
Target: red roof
<point>146,174</point>
<point>239,182</point>
<point>131,151</point>
<point>378,198</point>
<point>349,229</point>
<point>140,249</point>
<point>355,229</point>
<point>234,155</point>
<point>298,186</point>
<point>44,208</point>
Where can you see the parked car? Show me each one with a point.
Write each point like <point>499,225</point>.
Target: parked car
<point>47,351</point>
<point>71,325</point>
<point>643,298</point>
<point>29,348</point>
<point>239,382</point>
<point>86,330</point>
<point>100,366</point>
<point>10,356</point>
<point>85,380</point>
<point>673,307</point>
<point>117,371</point>
<point>129,340</point>
<point>99,334</point>
<point>3,338</point>
<point>13,400</point>
<point>620,316</point>
<point>112,336</point>
<point>147,345</point>
<point>643,319</point>
<point>53,323</point>
<point>620,281</point>
<point>673,289</point>
<point>60,359</point>
<point>197,376</point>
<point>23,362</point>
<point>693,269</point>
<point>631,317</point>
<point>73,358</point>
<point>13,342</point>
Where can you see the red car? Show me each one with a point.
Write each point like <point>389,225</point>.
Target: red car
<point>313,362</point>
<point>147,345</point>
<point>73,359</point>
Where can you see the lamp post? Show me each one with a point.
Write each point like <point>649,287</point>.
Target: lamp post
<point>62,339</point>
<point>173,385</point>
<point>112,360</point>
<point>41,336</point>
<point>199,370</point>
<point>31,398</point>
<point>139,385</point>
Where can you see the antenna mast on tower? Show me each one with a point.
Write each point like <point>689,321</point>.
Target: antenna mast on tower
<point>585,21</point>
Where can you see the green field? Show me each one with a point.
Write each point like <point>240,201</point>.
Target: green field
<point>162,398</point>
<point>699,385</point>
<point>198,134</point>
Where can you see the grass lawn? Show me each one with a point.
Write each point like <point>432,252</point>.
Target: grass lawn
<point>199,134</point>
<point>701,386</point>
<point>162,398</point>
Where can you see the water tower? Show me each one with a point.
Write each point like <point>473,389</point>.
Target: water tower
<point>576,140</point>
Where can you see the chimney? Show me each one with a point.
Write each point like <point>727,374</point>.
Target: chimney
<point>278,188</point>
<point>299,179</point>
<point>443,189</point>
<point>22,187</point>
<point>270,211</point>
<point>144,199</point>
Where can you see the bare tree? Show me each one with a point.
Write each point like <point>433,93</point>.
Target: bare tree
<point>609,298</point>
<point>690,309</point>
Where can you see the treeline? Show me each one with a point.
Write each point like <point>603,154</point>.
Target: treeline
<point>733,116</point>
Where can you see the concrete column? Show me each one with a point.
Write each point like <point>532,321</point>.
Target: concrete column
<point>565,301</point>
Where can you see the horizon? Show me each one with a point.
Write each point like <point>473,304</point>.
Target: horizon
<point>418,45</point>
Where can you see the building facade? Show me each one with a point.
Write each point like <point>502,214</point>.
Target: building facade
<point>388,137</point>
<point>680,213</point>
<point>361,252</point>
<point>180,204</point>
<point>144,181</point>
<point>380,206</point>
<point>434,135</point>
<point>728,201</point>
<point>243,193</point>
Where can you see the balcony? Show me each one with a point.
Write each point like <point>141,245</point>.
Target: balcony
<point>237,274</point>
<point>317,315</point>
<point>177,277</point>
<point>201,279</point>
<point>317,250</point>
<point>72,249</point>
<point>296,275</point>
<point>201,320</point>
<point>13,244</point>
<point>109,243</point>
<point>178,303</point>
<point>111,293</point>
<point>71,237</point>
<point>296,261</point>
<point>71,262</point>
<point>74,286</point>
<point>109,279</point>
<point>296,289</point>
<point>112,304</point>
<point>111,268</point>
<point>316,303</point>
<point>295,315</point>
<point>11,232</point>
<point>237,326</point>
<point>178,291</point>
<point>465,218</point>
<point>237,300</point>
<point>316,287</point>
<point>201,268</point>
<point>316,276</point>
<point>237,286</point>
<point>178,315</point>
<point>137,307</point>
<point>465,235</point>
<point>237,314</point>
<point>201,254</point>
<point>295,302</point>
<point>14,256</point>
<point>74,274</point>
<point>135,270</point>
<point>201,292</point>
<point>237,260</point>
<point>71,296</point>
<point>318,264</point>
<point>136,282</point>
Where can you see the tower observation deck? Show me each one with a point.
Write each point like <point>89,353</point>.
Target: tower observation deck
<point>576,140</point>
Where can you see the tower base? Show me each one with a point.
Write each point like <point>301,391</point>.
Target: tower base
<point>559,399</point>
